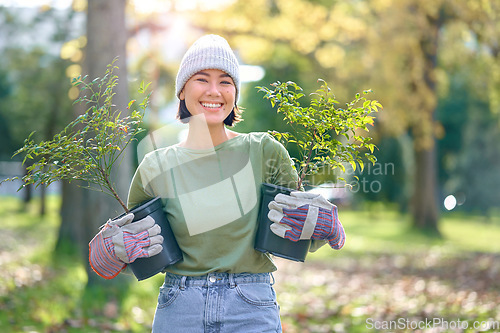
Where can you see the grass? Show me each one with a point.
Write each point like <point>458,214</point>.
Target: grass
<point>40,292</point>
<point>386,271</point>
<point>389,231</point>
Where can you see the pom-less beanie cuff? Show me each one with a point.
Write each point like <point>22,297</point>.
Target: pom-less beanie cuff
<point>208,52</point>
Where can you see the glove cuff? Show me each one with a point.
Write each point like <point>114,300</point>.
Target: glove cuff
<point>336,239</point>
<point>337,243</point>
<point>102,261</point>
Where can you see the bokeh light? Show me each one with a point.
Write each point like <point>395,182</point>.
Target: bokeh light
<point>450,202</point>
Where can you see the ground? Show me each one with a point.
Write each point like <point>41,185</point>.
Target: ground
<point>388,278</point>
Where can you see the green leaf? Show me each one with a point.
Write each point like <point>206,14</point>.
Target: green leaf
<point>353,165</point>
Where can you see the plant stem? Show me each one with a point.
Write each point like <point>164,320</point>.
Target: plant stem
<point>111,188</point>
<point>306,164</point>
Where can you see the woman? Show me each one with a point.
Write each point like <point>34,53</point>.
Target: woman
<point>210,185</point>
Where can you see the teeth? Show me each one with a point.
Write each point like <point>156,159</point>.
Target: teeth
<point>211,105</point>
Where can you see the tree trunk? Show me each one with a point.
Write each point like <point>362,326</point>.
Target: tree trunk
<point>84,210</point>
<point>27,190</point>
<point>43,200</point>
<point>70,239</point>
<point>106,40</point>
<point>425,204</point>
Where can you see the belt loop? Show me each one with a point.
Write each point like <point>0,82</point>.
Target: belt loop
<point>232,284</point>
<point>273,281</point>
<point>182,284</point>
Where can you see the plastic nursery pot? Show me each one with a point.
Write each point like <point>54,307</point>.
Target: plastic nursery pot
<point>144,268</point>
<point>266,240</point>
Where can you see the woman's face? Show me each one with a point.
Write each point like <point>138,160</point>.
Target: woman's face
<point>210,92</point>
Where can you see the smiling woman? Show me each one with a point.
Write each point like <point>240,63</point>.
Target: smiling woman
<point>210,186</point>
<point>207,86</point>
<point>214,91</point>
<point>208,101</point>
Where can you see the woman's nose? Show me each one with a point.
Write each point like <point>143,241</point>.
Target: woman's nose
<point>213,90</point>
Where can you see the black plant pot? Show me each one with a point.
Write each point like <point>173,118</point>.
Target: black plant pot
<point>266,240</point>
<point>144,268</point>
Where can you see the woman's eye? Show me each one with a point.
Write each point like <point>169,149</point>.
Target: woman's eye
<point>201,80</point>
<point>226,82</point>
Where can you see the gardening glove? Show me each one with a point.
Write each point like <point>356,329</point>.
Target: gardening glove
<point>121,242</point>
<point>303,215</point>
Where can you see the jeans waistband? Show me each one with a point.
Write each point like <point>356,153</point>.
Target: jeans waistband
<point>231,279</point>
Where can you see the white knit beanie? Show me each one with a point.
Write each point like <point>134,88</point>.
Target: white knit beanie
<point>208,52</point>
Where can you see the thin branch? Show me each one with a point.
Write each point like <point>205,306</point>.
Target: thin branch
<point>112,189</point>
<point>309,154</point>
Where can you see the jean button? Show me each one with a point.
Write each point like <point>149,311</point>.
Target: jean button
<point>212,279</point>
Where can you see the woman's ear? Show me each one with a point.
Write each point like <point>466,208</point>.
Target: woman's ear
<point>181,95</point>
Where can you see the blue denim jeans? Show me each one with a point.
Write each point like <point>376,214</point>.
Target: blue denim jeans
<point>217,302</point>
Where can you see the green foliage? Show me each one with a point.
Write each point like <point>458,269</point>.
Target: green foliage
<point>34,99</point>
<point>90,145</point>
<point>325,134</point>
<point>348,41</point>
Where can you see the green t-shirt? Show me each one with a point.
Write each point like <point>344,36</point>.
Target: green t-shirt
<point>211,199</point>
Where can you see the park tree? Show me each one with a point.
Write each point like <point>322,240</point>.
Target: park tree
<point>408,77</point>
<point>348,42</point>
<point>469,110</point>
<point>420,65</point>
<point>83,211</point>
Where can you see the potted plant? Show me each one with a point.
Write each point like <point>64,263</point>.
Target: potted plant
<point>326,136</point>
<point>88,148</point>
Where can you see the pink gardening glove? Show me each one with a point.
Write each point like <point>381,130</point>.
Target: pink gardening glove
<point>121,242</point>
<point>303,215</point>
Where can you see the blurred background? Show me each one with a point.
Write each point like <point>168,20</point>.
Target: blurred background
<point>425,217</point>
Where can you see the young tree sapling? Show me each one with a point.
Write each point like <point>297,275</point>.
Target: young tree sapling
<point>326,135</point>
<point>89,146</point>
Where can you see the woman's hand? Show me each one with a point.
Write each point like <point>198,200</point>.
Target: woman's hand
<point>121,242</point>
<point>303,215</point>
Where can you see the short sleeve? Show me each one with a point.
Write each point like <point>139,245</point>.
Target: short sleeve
<point>138,191</point>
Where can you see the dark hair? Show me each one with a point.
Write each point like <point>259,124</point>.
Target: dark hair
<point>232,119</point>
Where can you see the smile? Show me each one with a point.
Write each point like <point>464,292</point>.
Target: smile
<point>211,105</point>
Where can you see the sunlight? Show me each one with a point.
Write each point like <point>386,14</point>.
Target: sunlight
<point>251,73</point>
<point>60,4</point>
<point>141,6</point>
<point>202,4</point>
<point>151,6</point>
<point>159,6</point>
<point>450,202</point>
